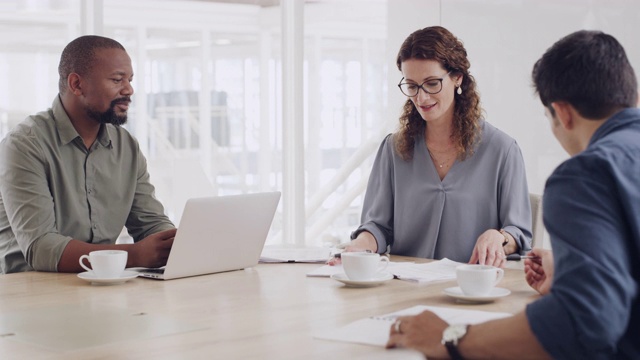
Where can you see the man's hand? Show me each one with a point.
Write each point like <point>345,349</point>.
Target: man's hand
<point>539,272</point>
<point>152,251</point>
<point>422,332</point>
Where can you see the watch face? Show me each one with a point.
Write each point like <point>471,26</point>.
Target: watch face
<point>454,333</point>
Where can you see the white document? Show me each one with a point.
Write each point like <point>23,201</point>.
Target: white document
<point>303,255</point>
<point>326,271</point>
<point>375,330</point>
<point>435,271</point>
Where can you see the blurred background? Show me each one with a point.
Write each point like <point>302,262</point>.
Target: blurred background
<point>259,95</point>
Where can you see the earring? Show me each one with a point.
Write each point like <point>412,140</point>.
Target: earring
<point>459,91</point>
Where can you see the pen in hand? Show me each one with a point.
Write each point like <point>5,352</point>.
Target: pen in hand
<point>518,257</point>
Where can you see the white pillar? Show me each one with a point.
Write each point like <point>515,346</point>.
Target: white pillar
<point>292,122</point>
<point>266,87</point>
<point>204,102</point>
<point>91,17</point>
<point>142,116</point>
<point>314,152</point>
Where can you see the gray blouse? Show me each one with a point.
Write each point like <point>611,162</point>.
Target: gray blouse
<point>408,208</point>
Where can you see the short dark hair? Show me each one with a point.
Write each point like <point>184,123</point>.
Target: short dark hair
<point>78,55</point>
<point>590,71</point>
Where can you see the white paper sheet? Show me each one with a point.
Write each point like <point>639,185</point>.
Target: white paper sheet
<point>435,271</point>
<point>303,255</point>
<point>375,330</point>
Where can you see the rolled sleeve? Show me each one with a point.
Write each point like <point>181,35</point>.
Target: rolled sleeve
<point>28,203</point>
<point>44,254</point>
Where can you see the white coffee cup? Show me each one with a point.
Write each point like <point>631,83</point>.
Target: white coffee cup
<point>362,266</point>
<point>105,264</point>
<point>478,280</point>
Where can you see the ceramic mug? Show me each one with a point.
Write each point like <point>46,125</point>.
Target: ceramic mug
<point>478,280</point>
<point>105,264</point>
<point>362,266</point>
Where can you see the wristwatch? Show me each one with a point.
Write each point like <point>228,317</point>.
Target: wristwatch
<point>450,338</point>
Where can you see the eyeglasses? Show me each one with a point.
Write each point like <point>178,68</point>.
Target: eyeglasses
<point>431,86</point>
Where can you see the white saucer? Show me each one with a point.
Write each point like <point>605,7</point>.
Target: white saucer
<point>126,276</point>
<point>495,293</point>
<point>379,279</point>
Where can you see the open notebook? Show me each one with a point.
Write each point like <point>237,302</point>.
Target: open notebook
<point>219,234</point>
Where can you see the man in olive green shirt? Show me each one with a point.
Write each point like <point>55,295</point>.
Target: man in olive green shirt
<point>71,178</point>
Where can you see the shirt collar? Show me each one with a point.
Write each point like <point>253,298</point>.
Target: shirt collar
<point>619,119</point>
<point>68,133</point>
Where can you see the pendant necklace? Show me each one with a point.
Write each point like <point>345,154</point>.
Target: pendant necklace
<point>439,164</point>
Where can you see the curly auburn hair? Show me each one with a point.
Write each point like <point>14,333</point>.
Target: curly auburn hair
<point>439,44</point>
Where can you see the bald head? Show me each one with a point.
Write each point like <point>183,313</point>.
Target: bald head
<point>78,56</point>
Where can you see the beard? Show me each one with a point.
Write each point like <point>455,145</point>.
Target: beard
<point>110,116</point>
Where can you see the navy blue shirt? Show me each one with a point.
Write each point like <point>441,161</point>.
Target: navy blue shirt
<point>591,209</point>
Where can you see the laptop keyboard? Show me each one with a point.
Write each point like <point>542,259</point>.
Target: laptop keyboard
<point>154,271</point>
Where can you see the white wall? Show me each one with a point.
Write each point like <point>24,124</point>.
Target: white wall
<point>503,40</point>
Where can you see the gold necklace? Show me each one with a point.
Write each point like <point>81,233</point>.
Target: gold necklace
<point>439,164</point>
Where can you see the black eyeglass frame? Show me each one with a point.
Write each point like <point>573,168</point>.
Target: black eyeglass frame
<point>421,85</point>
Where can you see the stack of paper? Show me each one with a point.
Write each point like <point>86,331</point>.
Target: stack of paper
<point>435,271</point>
<point>375,330</point>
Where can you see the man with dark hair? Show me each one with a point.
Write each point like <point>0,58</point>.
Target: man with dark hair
<point>591,303</point>
<point>71,178</point>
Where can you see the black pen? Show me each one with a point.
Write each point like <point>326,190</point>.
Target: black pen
<point>518,257</point>
<point>339,255</point>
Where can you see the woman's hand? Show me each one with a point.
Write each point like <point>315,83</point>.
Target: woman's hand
<point>364,242</point>
<point>488,249</point>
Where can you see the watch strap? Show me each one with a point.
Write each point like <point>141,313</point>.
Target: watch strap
<point>452,349</point>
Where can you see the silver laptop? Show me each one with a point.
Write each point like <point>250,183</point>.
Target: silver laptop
<point>219,234</point>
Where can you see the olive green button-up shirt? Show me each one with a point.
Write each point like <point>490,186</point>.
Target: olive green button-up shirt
<point>52,190</point>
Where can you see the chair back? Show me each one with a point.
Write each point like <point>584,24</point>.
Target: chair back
<point>537,227</point>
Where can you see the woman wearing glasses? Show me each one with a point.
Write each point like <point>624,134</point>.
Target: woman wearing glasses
<point>447,184</point>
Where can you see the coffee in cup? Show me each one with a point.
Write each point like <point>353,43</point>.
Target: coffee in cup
<point>363,266</point>
<point>105,264</point>
<point>478,280</point>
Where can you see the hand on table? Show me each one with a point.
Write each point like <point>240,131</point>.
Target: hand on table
<point>336,260</point>
<point>539,271</point>
<point>422,332</point>
<point>364,242</point>
<point>488,250</point>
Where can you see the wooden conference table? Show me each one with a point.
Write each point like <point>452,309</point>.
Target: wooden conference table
<point>270,311</point>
